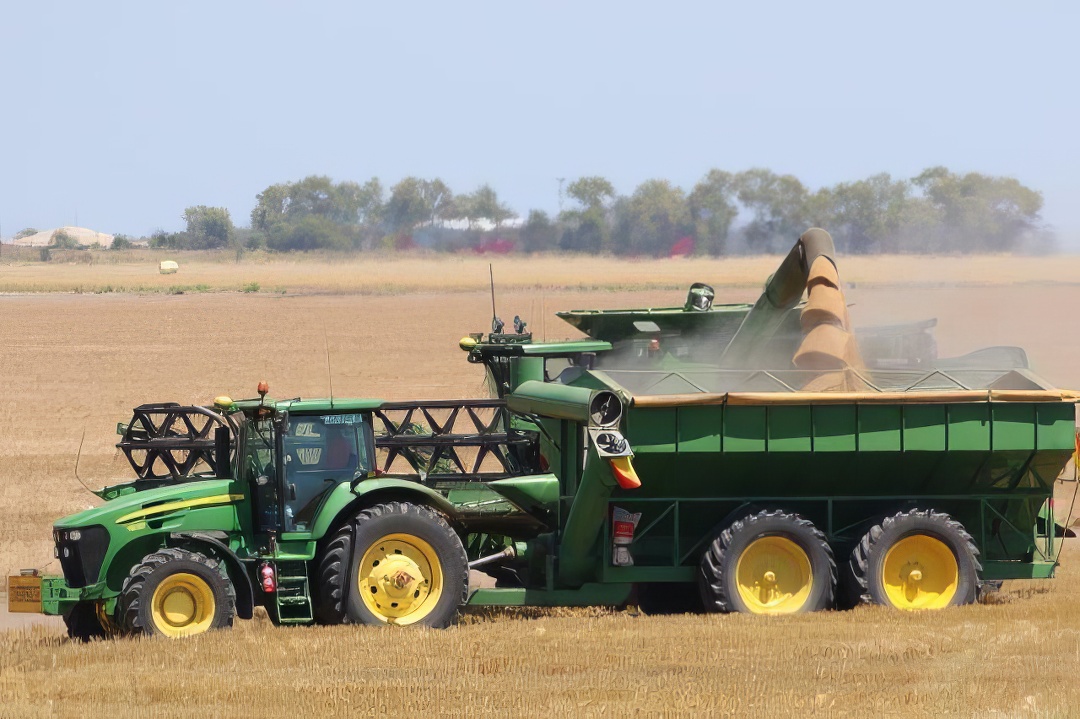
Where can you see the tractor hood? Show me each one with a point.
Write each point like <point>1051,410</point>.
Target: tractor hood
<point>156,503</point>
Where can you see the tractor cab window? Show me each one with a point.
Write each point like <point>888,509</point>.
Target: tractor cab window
<point>259,469</point>
<point>321,451</point>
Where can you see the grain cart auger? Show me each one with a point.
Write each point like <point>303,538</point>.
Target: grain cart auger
<point>675,485</point>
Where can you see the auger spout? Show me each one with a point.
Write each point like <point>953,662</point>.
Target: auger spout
<point>783,291</point>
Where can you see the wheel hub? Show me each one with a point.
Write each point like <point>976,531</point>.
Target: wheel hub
<point>182,604</point>
<point>178,607</point>
<point>773,576</point>
<point>920,572</point>
<point>400,579</point>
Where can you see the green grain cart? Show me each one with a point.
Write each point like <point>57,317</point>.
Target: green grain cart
<point>665,484</point>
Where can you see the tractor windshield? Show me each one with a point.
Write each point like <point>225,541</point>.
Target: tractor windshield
<point>321,451</point>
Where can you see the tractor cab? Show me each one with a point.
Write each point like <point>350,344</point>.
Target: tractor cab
<point>293,454</point>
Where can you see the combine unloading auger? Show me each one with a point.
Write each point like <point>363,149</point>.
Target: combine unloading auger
<point>828,343</point>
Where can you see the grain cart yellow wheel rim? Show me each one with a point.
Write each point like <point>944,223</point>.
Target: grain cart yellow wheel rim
<point>182,605</point>
<point>920,572</point>
<point>773,576</point>
<point>400,579</point>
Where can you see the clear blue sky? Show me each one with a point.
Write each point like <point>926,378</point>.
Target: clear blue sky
<point>127,113</point>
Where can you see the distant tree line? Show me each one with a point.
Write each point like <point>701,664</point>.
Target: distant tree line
<point>752,211</point>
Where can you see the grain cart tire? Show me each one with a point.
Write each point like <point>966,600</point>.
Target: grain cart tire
<point>919,559</point>
<point>177,593</point>
<point>83,623</point>
<point>771,562</point>
<point>408,566</point>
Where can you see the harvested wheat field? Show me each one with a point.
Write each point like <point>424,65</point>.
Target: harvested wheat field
<point>78,362</point>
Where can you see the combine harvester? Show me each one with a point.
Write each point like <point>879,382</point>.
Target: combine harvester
<point>596,476</point>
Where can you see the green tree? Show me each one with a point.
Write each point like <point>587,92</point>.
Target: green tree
<point>652,219</point>
<point>415,201</point>
<point>870,215</point>
<point>539,233</point>
<point>208,227</point>
<point>712,210</point>
<point>484,204</point>
<point>777,203</point>
<point>310,232</point>
<point>587,228</point>
<point>121,242</point>
<point>980,212</point>
<point>26,232</point>
<point>271,206</point>
<point>63,241</point>
<point>592,192</point>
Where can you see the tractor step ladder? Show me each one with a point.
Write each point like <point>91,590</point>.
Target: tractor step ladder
<point>293,596</point>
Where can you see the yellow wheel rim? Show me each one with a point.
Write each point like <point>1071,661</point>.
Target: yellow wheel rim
<point>182,605</point>
<point>920,572</point>
<point>773,576</point>
<point>400,579</point>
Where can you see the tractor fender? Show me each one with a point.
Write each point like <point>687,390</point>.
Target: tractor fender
<point>245,596</point>
<point>346,498</point>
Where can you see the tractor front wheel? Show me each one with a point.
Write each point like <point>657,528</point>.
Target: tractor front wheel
<point>771,562</point>
<point>920,559</point>
<point>405,565</point>
<point>177,593</point>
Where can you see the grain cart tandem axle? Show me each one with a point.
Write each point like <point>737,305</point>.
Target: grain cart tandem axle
<point>580,484</point>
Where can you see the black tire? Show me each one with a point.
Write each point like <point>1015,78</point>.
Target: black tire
<point>375,524</point>
<point>136,597</point>
<point>83,623</point>
<point>868,557</point>
<point>848,591</point>
<point>717,579</point>
<point>331,573</point>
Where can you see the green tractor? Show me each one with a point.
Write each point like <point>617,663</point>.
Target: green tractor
<point>734,485</point>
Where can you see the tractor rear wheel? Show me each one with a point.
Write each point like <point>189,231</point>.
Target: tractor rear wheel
<point>920,559</point>
<point>177,593</point>
<point>406,565</point>
<point>771,562</point>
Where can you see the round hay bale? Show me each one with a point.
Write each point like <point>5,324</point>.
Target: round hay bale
<point>168,267</point>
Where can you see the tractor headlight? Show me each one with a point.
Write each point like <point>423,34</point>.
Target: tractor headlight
<point>74,535</point>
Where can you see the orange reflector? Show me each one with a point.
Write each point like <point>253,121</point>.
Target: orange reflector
<point>623,469</point>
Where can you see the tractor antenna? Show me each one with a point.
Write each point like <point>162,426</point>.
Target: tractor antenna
<point>329,374</point>
<point>77,457</point>
<point>496,323</point>
<point>491,276</point>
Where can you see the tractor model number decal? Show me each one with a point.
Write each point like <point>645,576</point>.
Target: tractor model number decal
<point>343,419</point>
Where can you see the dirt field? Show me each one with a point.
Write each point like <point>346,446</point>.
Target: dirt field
<point>77,362</point>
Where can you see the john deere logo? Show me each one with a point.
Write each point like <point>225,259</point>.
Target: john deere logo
<point>309,455</point>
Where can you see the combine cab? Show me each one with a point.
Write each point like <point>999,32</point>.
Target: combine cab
<point>597,474</point>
